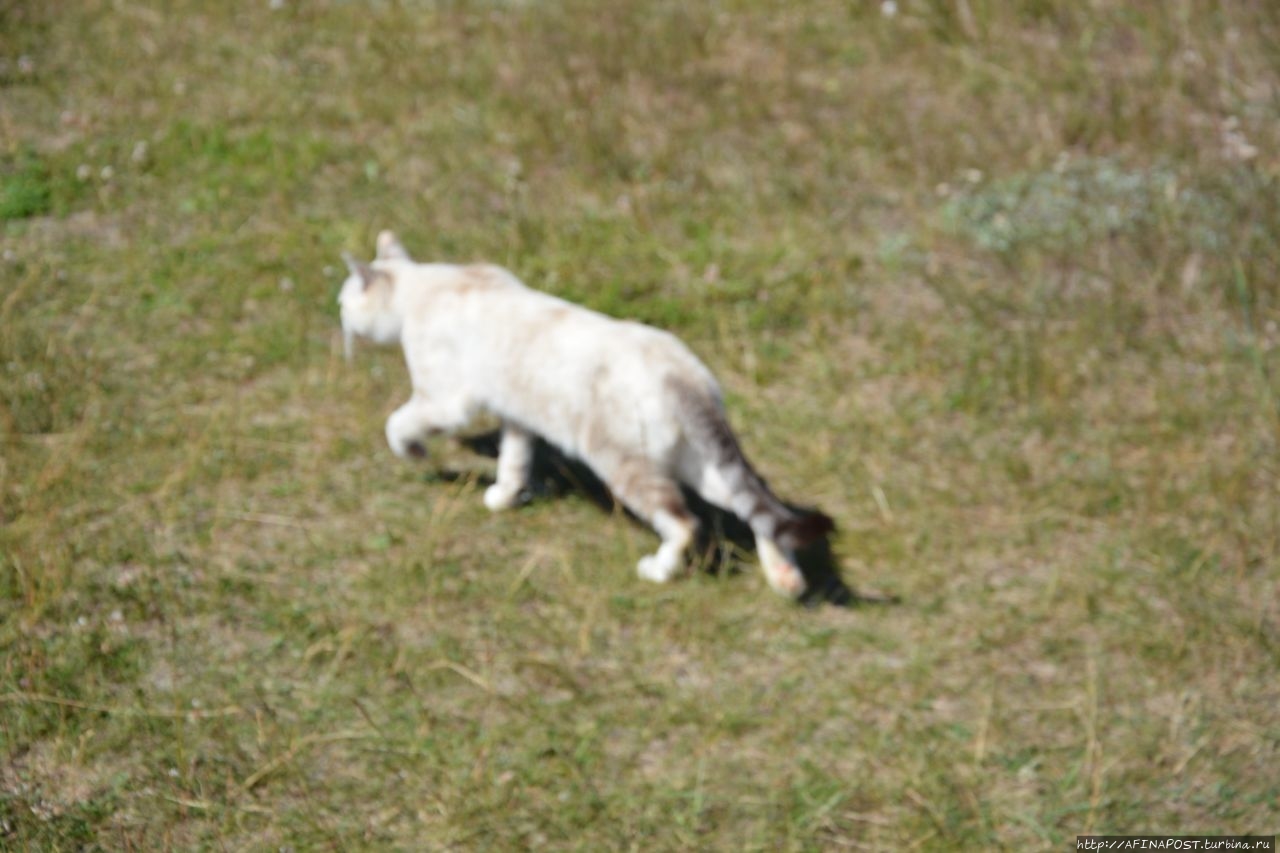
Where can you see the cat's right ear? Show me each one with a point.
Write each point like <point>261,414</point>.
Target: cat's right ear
<point>360,268</point>
<point>390,248</point>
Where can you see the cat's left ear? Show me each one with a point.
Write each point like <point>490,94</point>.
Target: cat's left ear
<point>367,273</point>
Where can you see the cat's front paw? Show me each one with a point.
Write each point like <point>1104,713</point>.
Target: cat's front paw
<point>411,449</point>
<point>404,444</point>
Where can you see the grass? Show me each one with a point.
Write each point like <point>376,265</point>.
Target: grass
<point>994,284</point>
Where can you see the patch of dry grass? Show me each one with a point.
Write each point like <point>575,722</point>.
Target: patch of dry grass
<point>992,283</point>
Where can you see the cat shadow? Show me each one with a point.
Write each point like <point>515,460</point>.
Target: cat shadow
<point>723,538</point>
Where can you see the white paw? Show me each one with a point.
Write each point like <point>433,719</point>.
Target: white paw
<point>780,571</point>
<point>654,568</point>
<point>785,579</point>
<point>498,498</point>
<point>404,445</point>
<point>412,449</point>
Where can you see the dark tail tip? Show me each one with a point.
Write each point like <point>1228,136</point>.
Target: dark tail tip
<point>805,528</point>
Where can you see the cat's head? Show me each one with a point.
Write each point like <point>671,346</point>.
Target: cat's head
<point>367,298</point>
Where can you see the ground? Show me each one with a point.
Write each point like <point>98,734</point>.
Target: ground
<point>994,284</point>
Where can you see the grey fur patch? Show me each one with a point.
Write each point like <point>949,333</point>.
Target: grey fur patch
<point>708,429</point>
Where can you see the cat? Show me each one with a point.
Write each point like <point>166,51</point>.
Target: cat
<point>629,400</point>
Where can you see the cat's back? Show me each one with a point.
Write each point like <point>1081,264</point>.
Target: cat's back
<point>443,300</point>
<point>489,309</point>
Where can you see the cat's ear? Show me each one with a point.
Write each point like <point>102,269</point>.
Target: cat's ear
<point>367,273</point>
<point>390,248</point>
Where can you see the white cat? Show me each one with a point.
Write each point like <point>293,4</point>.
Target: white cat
<point>629,400</point>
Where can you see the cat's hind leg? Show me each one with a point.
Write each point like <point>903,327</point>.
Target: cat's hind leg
<point>780,568</point>
<point>515,455</point>
<point>411,424</point>
<point>677,528</point>
<point>779,565</point>
<point>656,499</point>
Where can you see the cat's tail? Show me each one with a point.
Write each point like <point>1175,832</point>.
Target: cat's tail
<point>733,484</point>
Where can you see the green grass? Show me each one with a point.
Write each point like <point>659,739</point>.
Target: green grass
<point>994,284</point>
